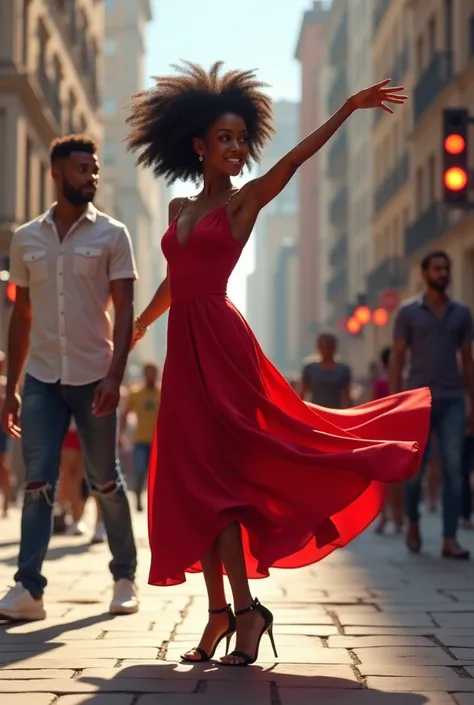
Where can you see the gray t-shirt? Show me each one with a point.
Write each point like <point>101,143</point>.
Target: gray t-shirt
<point>434,344</point>
<point>327,385</point>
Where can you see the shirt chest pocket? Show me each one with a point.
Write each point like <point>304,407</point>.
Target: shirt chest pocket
<point>86,261</point>
<point>37,266</point>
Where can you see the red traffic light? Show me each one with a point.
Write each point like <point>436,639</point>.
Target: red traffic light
<point>455,178</point>
<point>11,292</point>
<point>455,144</point>
<point>380,317</point>
<point>363,315</point>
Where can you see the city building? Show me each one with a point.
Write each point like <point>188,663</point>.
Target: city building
<point>135,193</point>
<point>310,52</point>
<point>334,187</point>
<point>277,229</point>
<point>429,48</point>
<point>442,65</point>
<point>50,83</point>
<point>393,196</point>
<point>360,74</point>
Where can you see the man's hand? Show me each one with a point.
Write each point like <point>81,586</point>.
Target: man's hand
<point>106,397</point>
<point>11,414</point>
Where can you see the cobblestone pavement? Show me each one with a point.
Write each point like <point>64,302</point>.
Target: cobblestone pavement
<point>368,626</point>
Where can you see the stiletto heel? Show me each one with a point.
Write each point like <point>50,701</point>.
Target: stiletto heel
<point>272,640</point>
<point>228,634</point>
<point>227,643</point>
<point>245,659</point>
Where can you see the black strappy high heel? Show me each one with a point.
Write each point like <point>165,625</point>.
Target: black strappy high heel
<point>226,635</point>
<point>247,660</point>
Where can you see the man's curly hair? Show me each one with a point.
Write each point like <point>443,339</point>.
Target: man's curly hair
<point>165,118</point>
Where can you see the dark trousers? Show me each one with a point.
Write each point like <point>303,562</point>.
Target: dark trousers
<point>467,462</point>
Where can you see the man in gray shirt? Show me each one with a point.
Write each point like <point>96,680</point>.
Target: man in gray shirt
<point>327,382</point>
<point>435,329</point>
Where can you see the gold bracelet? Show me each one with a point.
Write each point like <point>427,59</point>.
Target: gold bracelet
<point>140,326</point>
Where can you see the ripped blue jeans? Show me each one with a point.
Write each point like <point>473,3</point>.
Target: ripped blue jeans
<point>45,417</point>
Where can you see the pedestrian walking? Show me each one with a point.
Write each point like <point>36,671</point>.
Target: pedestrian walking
<point>433,328</point>
<point>67,265</point>
<point>327,381</point>
<point>144,402</point>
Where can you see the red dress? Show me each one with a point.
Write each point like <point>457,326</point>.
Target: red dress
<point>234,442</point>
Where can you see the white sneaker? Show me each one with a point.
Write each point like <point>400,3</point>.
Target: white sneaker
<point>99,535</point>
<point>18,605</point>
<point>125,598</point>
<point>77,528</point>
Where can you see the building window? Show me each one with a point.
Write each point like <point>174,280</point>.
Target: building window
<point>110,107</point>
<point>110,48</point>
<point>419,190</point>
<point>432,37</point>
<point>109,153</point>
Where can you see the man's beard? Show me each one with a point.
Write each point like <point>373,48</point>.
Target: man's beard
<point>75,196</point>
<point>438,286</point>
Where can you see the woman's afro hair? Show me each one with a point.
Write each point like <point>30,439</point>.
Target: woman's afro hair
<point>165,118</point>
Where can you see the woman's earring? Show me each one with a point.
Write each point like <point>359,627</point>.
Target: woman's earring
<point>201,158</point>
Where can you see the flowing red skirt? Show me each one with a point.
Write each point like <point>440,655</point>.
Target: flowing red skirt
<point>234,443</point>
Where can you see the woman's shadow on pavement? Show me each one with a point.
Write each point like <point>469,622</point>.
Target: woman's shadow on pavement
<point>205,684</point>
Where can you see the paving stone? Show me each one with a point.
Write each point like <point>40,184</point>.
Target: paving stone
<point>450,620</point>
<point>350,642</point>
<point>407,685</point>
<point>464,698</point>
<point>404,667</point>
<point>404,619</point>
<point>34,674</point>
<point>76,664</point>
<point>315,696</point>
<point>36,699</point>
<point>79,685</point>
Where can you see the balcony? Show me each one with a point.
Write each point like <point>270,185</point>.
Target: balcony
<point>379,13</point>
<point>392,273</point>
<point>431,82</point>
<point>430,225</point>
<point>338,47</point>
<point>339,206</point>
<point>337,155</point>
<point>339,251</point>
<point>338,93</point>
<point>337,285</point>
<point>392,184</point>
<point>50,91</point>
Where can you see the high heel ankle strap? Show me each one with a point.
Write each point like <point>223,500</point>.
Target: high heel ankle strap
<point>255,605</point>
<point>221,610</point>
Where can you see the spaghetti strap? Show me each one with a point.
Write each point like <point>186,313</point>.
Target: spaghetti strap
<point>181,208</point>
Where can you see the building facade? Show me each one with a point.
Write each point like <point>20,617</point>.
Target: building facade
<point>277,226</point>
<point>310,52</point>
<point>429,48</point>
<point>50,85</point>
<point>135,194</point>
<point>442,58</point>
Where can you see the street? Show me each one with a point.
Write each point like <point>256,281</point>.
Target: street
<point>369,625</point>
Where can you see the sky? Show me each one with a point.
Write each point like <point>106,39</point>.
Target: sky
<point>248,34</point>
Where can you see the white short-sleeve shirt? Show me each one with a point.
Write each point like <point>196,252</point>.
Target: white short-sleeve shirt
<point>71,336</point>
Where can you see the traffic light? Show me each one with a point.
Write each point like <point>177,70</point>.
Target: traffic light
<point>10,292</point>
<point>455,156</point>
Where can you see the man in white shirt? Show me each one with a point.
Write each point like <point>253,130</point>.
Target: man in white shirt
<point>70,266</point>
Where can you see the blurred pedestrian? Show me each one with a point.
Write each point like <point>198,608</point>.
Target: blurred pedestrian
<point>393,507</point>
<point>68,265</point>
<point>327,382</point>
<point>144,402</point>
<point>433,327</point>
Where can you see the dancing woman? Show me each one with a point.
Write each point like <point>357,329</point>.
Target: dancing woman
<point>244,475</point>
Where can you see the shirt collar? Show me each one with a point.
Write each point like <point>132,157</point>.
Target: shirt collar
<point>90,213</point>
